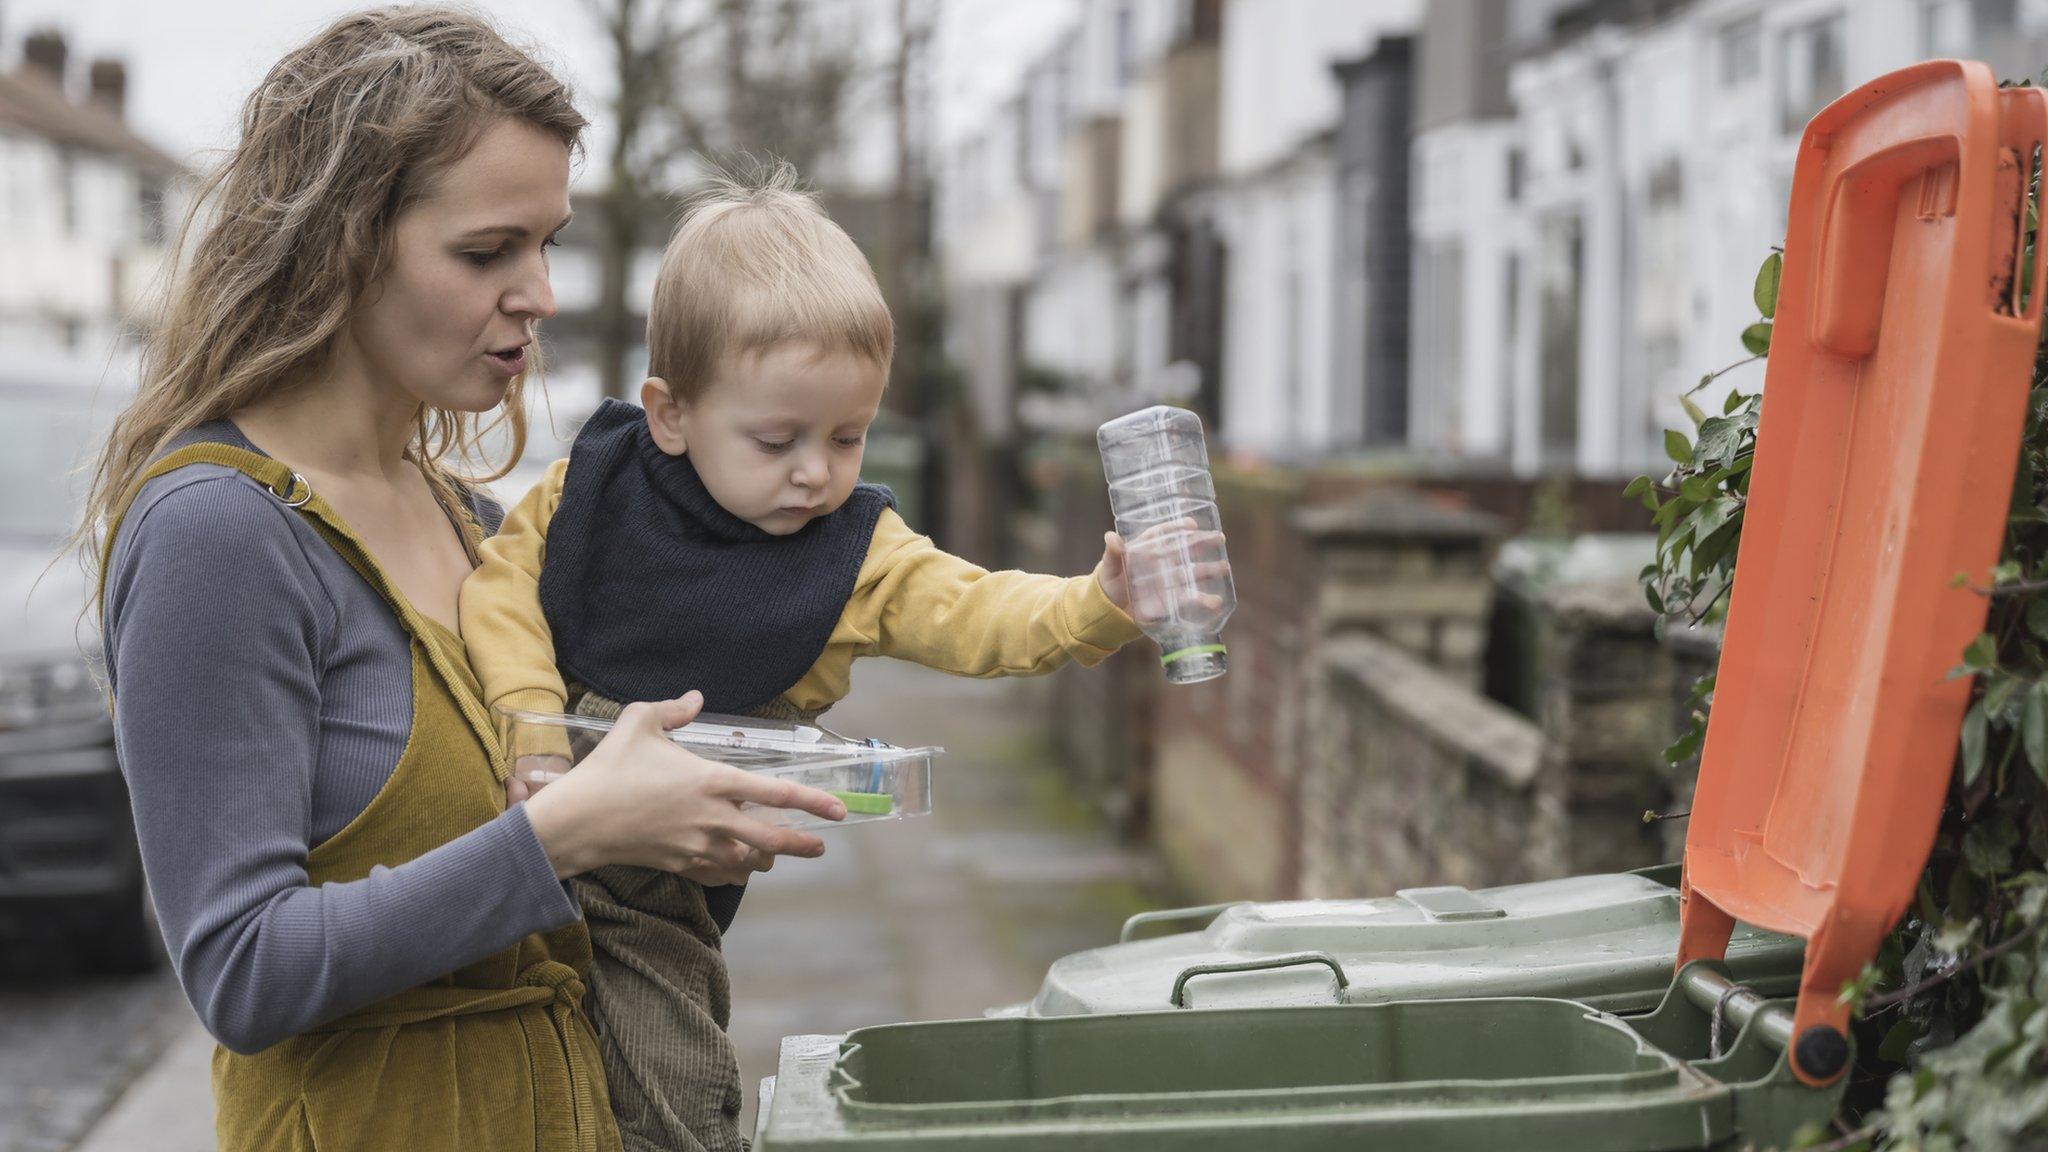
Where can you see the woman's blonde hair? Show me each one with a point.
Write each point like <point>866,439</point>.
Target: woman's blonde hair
<point>344,134</point>
<point>756,263</point>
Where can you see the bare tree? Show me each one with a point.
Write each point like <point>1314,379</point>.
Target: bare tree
<point>648,39</point>
<point>704,82</point>
<point>788,69</point>
<point>903,259</point>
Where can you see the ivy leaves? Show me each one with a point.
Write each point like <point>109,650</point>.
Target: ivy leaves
<point>2013,702</point>
<point>2010,658</point>
<point>1757,337</point>
<point>1697,508</point>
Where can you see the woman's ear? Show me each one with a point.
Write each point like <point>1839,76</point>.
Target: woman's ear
<point>664,416</point>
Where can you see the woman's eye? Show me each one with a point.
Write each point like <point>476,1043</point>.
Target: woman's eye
<point>849,441</point>
<point>482,259</point>
<point>773,445</point>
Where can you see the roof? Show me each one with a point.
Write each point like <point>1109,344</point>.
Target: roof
<point>39,107</point>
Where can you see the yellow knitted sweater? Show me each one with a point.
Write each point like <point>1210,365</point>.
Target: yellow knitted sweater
<point>910,601</point>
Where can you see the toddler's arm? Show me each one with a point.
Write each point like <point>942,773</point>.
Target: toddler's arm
<point>503,626</point>
<point>927,606</point>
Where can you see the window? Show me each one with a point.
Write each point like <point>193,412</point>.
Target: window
<point>1511,338</point>
<point>1663,302</point>
<point>67,190</point>
<point>1812,69</point>
<point>1294,408</point>
<point>1963,27</point>
<point>1560,254</point>
<point>1437,379</point>
<point>1741,52</point>
<point>1945,28</point>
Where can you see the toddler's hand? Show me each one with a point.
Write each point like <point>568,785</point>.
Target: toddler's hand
<point>1195,554</point>
<point>1111,574</point>
<point>532,773</point>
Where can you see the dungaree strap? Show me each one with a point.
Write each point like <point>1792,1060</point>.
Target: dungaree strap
<point>292,490</point>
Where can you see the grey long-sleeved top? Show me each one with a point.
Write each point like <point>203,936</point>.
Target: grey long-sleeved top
<point>264,698</point>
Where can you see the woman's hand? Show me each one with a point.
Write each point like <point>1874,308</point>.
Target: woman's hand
<point>640,799</point>
<point>530,774</point>
<point>715,875</point>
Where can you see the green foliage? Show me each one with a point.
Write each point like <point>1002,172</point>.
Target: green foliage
<point>1766,291</point>
<point>1952,1036</point>
<point>1697,507</point>
<point>1036,377</point>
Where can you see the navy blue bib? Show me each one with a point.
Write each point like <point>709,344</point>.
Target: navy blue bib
<point>652,589</point>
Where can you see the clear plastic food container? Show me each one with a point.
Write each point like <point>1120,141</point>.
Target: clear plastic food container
<point>877,781</point>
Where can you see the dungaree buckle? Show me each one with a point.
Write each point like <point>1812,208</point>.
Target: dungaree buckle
<point>297,484</point>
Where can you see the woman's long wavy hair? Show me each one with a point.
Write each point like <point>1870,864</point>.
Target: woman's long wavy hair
<point>344,134</point>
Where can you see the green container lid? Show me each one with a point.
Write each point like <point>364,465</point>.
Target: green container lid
<point>1606,940</point>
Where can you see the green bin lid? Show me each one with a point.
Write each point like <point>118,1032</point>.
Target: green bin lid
<point>1606,940</point>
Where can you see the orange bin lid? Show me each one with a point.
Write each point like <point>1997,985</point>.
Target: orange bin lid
<point>1894,402</point>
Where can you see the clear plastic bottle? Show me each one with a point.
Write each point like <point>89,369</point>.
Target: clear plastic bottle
<point>1164,499</point>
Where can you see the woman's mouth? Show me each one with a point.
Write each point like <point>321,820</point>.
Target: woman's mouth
<point>512,361</point>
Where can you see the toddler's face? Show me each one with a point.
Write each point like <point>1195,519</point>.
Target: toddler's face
<point>778,437</point>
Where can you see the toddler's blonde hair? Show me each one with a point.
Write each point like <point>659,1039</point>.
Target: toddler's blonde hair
<point>756,264</point>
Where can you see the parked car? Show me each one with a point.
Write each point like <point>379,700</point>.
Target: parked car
<point>68,859</point>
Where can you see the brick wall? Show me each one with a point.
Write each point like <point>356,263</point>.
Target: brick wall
<point>1418,780</point>
<point>1605,708</point>
<point>1101,722</point>
<point>1250,723</point>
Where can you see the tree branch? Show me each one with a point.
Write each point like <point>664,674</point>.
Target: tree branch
<point>1877,1003</point>
<point>1710,377</point>
<point>2016,588</point>
<point>1847,1140</point>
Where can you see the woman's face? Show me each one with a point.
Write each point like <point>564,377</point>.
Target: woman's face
<point>449,323</point>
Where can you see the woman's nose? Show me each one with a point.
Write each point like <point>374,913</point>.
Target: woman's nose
<point>534,295</point>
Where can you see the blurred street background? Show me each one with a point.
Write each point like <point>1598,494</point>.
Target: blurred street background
<point>1436,276</point>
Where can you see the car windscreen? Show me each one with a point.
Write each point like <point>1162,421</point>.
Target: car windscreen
<point>48,438</point>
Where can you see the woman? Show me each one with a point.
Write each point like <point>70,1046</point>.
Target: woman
<point>383,949</point>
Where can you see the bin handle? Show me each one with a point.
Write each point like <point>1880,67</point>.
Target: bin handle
<point>1292,959</point>
<point>1167,915</point>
